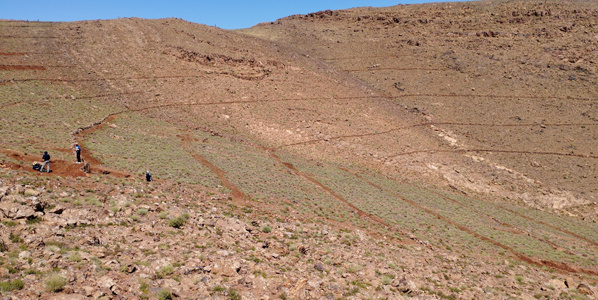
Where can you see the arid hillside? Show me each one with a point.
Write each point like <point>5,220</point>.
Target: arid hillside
<point>509,86</point>
<point>431,151</point>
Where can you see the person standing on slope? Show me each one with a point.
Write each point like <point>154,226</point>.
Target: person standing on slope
<point>46,159</point>
<point>148,176</point>
<point>78,152</point>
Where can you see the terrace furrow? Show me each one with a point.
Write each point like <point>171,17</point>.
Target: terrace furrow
<point>522,246</point>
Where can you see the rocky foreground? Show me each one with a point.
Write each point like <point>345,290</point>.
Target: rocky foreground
<point>110,238</point>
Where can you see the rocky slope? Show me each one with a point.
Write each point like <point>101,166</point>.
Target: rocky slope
<point>126,239</point>
<point>508,86</point>
<point>426,151</point>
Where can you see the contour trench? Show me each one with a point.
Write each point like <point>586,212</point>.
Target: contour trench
<point>237,193</point>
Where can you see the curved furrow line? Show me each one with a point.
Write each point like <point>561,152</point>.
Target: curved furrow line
<point>368,56</point>
<point>108,78</point>
<point>592,242</point>
<point>12,53</point>
<point>492,96</point>
<point>531,260</point>
<point>336,196</point>
<point>237,193</point>
<point>82,97</point>
<point>11,105</point>
<point>29,37</point>
<point>22,67</point>
<point>493,218</point>
<point>553,245</point>
<point>390,68</point>
<point>28,53</point>
<point>361,97</point>
<point>494,151</point>
<point>438,124</point>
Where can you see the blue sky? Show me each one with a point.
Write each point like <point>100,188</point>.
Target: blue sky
<point>227,14</point>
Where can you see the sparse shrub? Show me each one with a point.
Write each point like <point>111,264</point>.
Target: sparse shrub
<point>15,238</point>
<point>352,292</point>
<point>164,294</point>
<point>353,268</point>
<point>12,270</point>
<point>32,272</point>
<point>260,273</point>
<point>75,256</point>
<point>163,215</point>
<point>55,283</point>
<point>7,286</point>
<point>386,280</point>
<point>33,221</point>
<point>143,286</point>
<point>233,294</point>
<point>165,270</point>
<point>142,211</point>
<point>266,229</point>
<point>9,223</point>
<point>219,289</point>
<point>179,221</point>
<point>93,201</point>
<point>134,218</point>
<point>253,258</point>
<point>114,209</point>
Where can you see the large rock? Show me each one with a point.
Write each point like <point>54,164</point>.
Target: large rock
<point>3,192</point>
<point>32,201</point>
<point>584,289</point>
<point>12,210</point>
<point>227,268</point>
<point>557,284</point>
<point>106,282</point>
<point>231,225</point>
<point>74,217</point>
<point>31,192</point>
<point>405,286</point>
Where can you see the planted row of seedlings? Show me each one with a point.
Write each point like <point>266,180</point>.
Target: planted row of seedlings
<point>477,219</point>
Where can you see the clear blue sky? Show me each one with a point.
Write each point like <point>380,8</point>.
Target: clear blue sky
<point>227,14</point>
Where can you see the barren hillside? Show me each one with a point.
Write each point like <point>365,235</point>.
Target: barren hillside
<point>510,86</point>
<point>432,151</point>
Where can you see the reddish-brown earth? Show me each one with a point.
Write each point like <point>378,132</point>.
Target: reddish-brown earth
<point>487,108</point>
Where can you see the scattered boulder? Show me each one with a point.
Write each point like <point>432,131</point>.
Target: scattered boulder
<point>570,282</point>
<point>405,286</point>
<point>31,192</point>
<point>319,266</point>
<point>106,282</point>
<point>585,289</point>
<point>11,210</point>
<point>227,268</point>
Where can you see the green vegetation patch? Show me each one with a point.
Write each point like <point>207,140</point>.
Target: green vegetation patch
<point>136,143</point>
<point>11,285</point>
<point>55,283</point>
<point>38,116</point>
